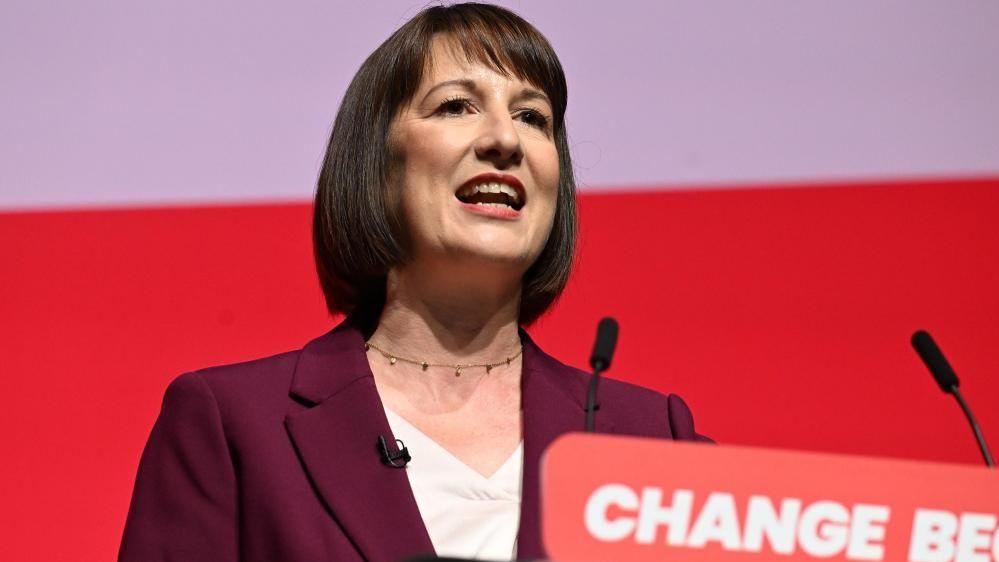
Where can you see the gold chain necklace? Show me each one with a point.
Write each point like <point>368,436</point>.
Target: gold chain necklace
<point>426,364</point>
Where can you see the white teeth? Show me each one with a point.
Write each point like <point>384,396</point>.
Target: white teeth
<point>488,188</point>
<point>492,187</point>
<point>510,191</point>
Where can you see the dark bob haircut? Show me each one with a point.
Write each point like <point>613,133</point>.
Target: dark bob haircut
<point>357,233</point>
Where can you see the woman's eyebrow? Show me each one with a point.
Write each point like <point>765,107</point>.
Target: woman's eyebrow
<point>468,84</point>
<point>528,94</point>
<point>465,83</point>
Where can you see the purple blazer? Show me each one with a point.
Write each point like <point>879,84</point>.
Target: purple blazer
<point>276,459</point>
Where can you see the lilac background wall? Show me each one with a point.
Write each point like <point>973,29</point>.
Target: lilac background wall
<point>120,103</point>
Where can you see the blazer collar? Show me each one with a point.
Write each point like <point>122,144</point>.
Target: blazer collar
<point>554,403</point>
<point>336,441</point>
<point>330,363</point>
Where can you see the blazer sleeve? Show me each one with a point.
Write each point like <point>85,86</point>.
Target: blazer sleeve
<point>184,504</point>
<point>681,421</point>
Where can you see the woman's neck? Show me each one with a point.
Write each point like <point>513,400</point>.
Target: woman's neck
<point>457,318</point>
<point>449,319</point>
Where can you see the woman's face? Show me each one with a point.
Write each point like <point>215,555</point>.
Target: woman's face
<point>475,163</point>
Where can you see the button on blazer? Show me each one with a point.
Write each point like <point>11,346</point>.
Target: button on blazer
<point>277,459</point>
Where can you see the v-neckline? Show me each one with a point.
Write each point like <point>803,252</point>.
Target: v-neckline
<point>335,439</point>
<point>514,460</point>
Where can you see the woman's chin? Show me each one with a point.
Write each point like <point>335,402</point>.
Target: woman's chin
<point>494,257</point>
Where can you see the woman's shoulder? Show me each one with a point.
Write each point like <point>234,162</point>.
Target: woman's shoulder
<point>259,384</point>
<point>279,383</point>
<point>611,390</point>
<point>252,373</point>
<point>631,408</point>
<point>268,374</point>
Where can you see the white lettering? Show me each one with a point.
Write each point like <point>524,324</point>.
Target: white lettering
<point>975,533</point>
<point>822,531</point>
<point>653,514</point>
<point>717,522</point>
<point>597,522</point>
<point>933,534</point>
<point>867,526</point>
<point>762,519</point>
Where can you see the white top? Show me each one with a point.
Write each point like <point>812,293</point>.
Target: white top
<point>466,514</point>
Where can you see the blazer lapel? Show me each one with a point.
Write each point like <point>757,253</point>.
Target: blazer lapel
<point>554,402</point>
<point>336,440</point>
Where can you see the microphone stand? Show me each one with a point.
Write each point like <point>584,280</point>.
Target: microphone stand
<point>600,359</point>
<point>974,427</point>
<point>946,378</point>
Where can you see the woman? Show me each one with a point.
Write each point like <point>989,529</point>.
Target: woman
<point>444,220</point>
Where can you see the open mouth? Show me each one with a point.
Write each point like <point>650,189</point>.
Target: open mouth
<point>491,193</point>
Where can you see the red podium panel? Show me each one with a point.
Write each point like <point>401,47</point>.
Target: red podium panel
<point>607,498</point>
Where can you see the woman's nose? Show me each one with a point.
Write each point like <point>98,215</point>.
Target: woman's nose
<point>499,142</point>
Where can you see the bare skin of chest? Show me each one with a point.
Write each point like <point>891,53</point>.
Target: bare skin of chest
<point>476,417</point>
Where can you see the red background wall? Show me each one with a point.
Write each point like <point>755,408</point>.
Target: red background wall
<point>781,315</point>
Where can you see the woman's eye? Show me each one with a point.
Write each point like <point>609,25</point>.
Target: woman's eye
<point>534,118</point>
<point>453,106</point>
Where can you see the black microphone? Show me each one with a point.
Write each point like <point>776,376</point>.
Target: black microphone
<point>947,379</point>
<point>398,459</point>
<point>600,360</point>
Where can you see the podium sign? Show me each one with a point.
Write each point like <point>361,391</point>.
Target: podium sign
<point>607,498</point>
